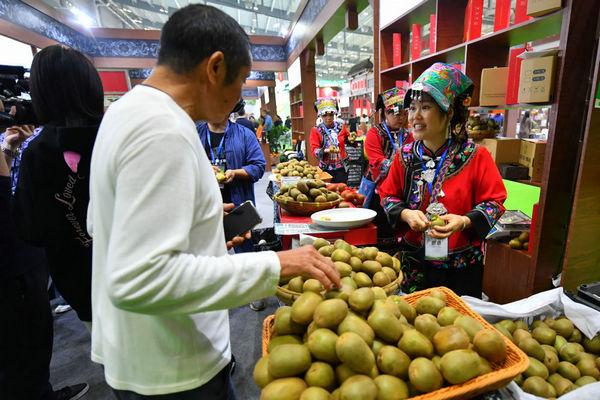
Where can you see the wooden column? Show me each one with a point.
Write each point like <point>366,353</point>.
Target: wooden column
<point>320,46</point>
<point>309,96</point>
<point>567,124</point>
<point>351,17</point>
<point>582,258</point>
<point>272,105</point>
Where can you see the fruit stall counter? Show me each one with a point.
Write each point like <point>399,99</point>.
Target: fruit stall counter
<point>361,236</point>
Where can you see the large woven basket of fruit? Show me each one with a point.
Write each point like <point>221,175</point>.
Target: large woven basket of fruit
<point>306,197</point>
<point>359,267</point>
<point>428,345</point>
<point>479,128</point>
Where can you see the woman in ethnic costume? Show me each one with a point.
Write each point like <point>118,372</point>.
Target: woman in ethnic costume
<point>443,193</point>
<point>327,140</point>
<point>382,143</point>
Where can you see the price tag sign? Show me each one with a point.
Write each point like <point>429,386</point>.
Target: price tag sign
<point>289,180</point>
<point>436,249</point>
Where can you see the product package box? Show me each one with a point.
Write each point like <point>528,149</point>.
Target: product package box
<point>535,8</point>
<point>493,86</point>
<point>513,171</point>
<point>532,156</point>
<point>536,83</point>
<point>503,150</point>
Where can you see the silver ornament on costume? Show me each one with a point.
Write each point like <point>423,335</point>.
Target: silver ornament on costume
<point>436,208</point>
<point>430,164</point>
<point>428,175</point>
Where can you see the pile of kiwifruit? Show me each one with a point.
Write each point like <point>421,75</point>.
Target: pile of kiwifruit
<point>561,358</point>
<point>294,167</point>
<point>307,191</point>
<point>358,267</point>
<point>365,346</point>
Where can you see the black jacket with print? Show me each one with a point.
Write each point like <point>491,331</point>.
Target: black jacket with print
<point>50,209</point>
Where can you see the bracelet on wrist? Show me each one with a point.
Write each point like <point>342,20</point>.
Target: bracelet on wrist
<point>9,152</point>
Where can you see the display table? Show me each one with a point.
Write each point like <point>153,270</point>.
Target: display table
<point>291,226</point>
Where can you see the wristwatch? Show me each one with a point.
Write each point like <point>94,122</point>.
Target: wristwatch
<point>11,153</point>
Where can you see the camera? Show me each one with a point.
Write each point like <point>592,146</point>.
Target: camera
<point>14,92</point>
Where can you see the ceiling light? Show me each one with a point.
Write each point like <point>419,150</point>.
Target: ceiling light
<point>82,18</point>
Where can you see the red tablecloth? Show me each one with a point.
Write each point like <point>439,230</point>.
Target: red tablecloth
<point>361,236</point>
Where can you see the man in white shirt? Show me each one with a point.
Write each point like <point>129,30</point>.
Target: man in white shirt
<point>162,279</point>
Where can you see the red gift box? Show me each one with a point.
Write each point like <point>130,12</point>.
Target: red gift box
<point>502,15</point>
<point>397,49</point>
<point>432,33</point>
<point>416,41</point>
<point>521,12</point>
<point>473,20</point>
<point>514,74</point>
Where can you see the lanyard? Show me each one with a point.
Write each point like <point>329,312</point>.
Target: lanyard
<point>220,148</point>
<point>437,169</point>
<point>400,137</point>
<point>332,138</point>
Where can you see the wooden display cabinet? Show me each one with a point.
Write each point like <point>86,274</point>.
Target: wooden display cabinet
<point>576,28</point>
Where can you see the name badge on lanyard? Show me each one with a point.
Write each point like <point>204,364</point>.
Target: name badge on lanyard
<point>219,159</point>
<point>436,249</point>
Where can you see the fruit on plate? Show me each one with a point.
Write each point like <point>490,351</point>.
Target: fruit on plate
<point>297,168</point>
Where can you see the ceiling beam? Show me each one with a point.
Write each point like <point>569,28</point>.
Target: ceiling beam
<point>260,9</point>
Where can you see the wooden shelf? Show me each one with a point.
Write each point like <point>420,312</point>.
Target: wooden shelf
<point>511,106</point>
<point>297,117</point>
<point>528,31</point>
<point>418,14</point>
<point>398,68</point>
<point>296,102</point>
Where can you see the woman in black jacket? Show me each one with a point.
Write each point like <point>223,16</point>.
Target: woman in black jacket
<point>52,193</point>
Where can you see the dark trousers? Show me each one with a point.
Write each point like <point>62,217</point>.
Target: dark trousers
<point>339,175</point>
<point>25,337</point>
<point>464,281</point>
<point>218,388</point>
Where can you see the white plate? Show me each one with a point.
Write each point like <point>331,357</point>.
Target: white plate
<point>343,217</point>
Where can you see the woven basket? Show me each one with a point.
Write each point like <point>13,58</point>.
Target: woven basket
<point>287,296</point>
<point>305,208</point>
<point>515,363</point>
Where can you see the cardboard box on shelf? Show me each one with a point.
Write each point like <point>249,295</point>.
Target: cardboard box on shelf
<point>503,150</point>
<point>532,156</point>
<point>493,86</point>
<point>535,8</point>
<point>513,171</point>
<point>536,83</point>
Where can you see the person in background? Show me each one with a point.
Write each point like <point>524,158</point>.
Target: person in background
<point>278,121</point>
<point>267,121</point>
<point>443,193</point>
<point>162,277</point>
<point>254,121</point>
<point>233,150</point>
<point>499,118</point>
<point>26,334</point>
<point>240,113</point>
<point>53,188</point>
<point>327,140</point>
<point>353,123</point>
<point>382,143</point>
<point>525,126</point>
<point>288,122</point>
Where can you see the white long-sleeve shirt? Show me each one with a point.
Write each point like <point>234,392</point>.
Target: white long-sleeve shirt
<point>162,279</point>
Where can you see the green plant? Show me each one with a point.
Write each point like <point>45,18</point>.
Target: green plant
<point>275,137</point>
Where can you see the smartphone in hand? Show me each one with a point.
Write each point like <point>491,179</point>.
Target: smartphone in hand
<point>240,220</point>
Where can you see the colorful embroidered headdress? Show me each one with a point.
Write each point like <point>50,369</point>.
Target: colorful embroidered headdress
<point>391,99</point>
<point>444,83</point>
<point>325,105</point>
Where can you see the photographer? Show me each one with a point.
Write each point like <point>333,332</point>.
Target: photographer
<point>26,333</point>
